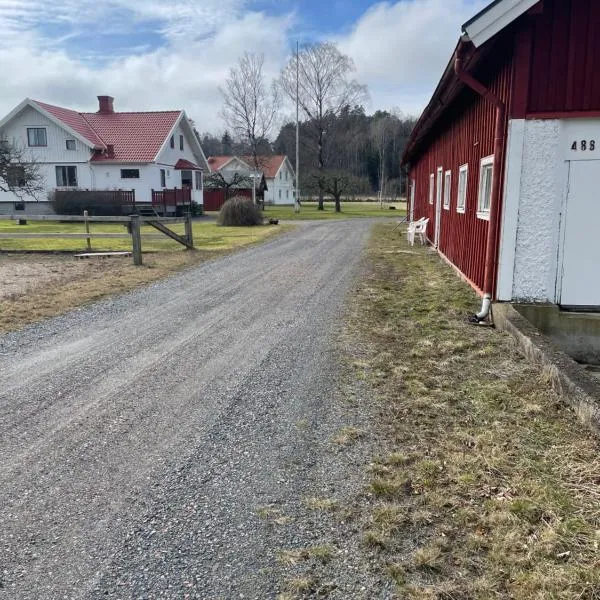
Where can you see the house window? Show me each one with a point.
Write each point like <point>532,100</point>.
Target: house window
<point>36,136</point>
<point>486,174</point>
<point>463,176</point>
<point>172,142</point>
<point>15,176</point>
<point>280,175</point>
<point>181,142</point>
<point>280,194</point>
<point>66,176</point>
<point>431,187</point>
<point>447,184</point>
<point>130,173</point>
<point>286,175</point>
<point>287,193</point>
<point>70,144</point>
<point>198,179</point>
<point>163,178</point>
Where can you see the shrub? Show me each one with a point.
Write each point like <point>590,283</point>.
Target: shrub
<point>239,211</point>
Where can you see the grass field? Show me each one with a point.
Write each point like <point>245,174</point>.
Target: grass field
<point>309,211</point>
<point>207,236</point>
<point>486,485</point>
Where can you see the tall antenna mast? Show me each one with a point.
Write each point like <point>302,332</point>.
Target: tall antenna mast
<point>297,199</point>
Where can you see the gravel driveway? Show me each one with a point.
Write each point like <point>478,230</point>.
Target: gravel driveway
<point>142,438</point>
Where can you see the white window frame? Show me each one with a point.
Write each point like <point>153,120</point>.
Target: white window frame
<point>64,171</point>
<point>447,189</point>
<point>132,177</point>
<point>431,187</point>
<point>34,136</point>
<point>483,213</point>
<point>461,207</point>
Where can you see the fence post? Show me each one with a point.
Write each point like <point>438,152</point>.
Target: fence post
<point>136,240</point>
<point>189,236</point>
<point>87,230</point>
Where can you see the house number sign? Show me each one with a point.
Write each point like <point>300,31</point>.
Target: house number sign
<point>581,139</point>
<point>584,145</point>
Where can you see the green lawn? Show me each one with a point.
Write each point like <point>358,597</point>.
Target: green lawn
<point>309,211</point>
<point>207,236</point>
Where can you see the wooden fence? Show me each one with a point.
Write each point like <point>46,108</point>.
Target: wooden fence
<point>133,223</point>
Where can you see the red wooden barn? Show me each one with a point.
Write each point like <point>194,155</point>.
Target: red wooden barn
<point>505,159</point>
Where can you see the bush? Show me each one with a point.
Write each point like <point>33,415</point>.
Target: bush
<point>239,211</point>
<point>96,202</point>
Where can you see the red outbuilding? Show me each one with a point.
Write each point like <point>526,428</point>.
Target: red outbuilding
<point>505,159</point>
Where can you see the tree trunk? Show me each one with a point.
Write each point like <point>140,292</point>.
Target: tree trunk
<point>338,206</point>
<point>321,167</point>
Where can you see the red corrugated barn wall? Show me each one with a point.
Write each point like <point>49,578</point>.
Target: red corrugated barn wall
<point>565,64</point>
<point>464,135</point>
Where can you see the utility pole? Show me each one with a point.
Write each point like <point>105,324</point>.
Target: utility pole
<point>297,198</point>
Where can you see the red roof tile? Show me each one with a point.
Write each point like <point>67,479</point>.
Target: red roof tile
<point>136,137</point>
<point>182,164</point>
<point>216,163</point>
<point>75,121</point>
<point>269,164</point>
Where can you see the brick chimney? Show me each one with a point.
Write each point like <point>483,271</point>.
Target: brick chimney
<point>106,105</point>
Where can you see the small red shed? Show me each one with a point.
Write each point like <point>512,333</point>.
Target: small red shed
<point>505,159</point>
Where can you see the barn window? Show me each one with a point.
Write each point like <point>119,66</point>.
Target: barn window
<point>431,187</point>
<point>463,175</point>
<point>36,136</point>
<point>485,187</point>
<point>447,184</point>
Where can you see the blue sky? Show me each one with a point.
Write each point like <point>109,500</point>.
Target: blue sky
<point>176,54</point>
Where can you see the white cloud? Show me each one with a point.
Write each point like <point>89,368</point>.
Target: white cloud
<point>401,49</point>
<point>183,73</point>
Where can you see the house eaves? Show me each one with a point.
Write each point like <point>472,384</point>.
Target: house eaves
<point>494,18</point>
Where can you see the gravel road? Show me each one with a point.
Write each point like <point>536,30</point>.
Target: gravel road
<point>142,438</point>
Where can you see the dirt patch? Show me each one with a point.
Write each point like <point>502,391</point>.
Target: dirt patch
<point>21,273</point>
<point>35,287</point>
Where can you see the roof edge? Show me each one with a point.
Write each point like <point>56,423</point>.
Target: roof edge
<point>494,18</point>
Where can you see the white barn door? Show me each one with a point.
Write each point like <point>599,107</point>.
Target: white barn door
<point>580,285</point>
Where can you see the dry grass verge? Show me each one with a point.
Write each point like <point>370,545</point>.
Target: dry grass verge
<point>490,487</point>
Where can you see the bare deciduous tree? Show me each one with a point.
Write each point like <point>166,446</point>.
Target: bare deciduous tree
<point>250,105</point>
<point>19,174</point>
<point>325,89</point>
<point>336,184</point>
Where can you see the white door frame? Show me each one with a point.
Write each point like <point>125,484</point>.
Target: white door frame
<point>412,200</point>
<point>438,205</point>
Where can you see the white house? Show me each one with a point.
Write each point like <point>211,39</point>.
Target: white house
<point>278,172</point>
<point>105,150</point>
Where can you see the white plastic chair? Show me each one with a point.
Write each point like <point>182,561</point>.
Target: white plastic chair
<point>417,229</point>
